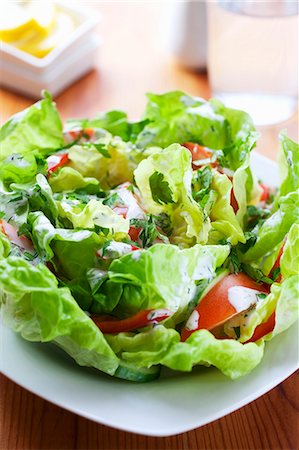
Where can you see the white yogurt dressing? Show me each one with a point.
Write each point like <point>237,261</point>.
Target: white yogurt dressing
<point>192,322</point>
<point>242,298</point>
<point>134,210</point>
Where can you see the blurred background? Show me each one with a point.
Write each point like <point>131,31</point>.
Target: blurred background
<point>99,55</point>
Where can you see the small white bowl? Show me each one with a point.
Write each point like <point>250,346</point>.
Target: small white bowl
<point>75,56</point>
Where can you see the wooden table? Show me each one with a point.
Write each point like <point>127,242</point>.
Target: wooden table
<point>130,63</point>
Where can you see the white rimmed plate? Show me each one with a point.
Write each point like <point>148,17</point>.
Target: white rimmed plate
<point>173,404</point>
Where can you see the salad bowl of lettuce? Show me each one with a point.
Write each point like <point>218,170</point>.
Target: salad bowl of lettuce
<point>147,250</point>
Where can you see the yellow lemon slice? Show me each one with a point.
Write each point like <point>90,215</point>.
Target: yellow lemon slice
<point>63,27</point>
<point>14,21</point>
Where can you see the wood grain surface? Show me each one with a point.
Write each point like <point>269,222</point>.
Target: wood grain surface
<point>132,61</point>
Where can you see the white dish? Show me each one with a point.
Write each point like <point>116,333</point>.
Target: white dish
<point>175,403</point>
<point>28,74</point>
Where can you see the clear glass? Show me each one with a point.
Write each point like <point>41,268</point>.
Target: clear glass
<point>253,57</point>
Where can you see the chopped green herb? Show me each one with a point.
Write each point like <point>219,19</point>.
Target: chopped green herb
<point>160,189</point>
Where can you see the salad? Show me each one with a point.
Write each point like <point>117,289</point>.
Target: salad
<point>138,245</point>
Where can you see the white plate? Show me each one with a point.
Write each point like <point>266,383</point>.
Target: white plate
<point>173,404</point>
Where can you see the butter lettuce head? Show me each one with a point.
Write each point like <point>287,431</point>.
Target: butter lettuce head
<point>37,129</point>
<point>164,181</point>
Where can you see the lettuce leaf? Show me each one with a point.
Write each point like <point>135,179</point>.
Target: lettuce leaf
<point>288,159</point>
<point>274,229</point>
<point>231,357</point>
<point>92,215</point>
<point>37,129</point>
<point>178,117</point>
<point>162,345</point>
<point>17,168</point>
<point>72,252</point>
<point>34,306</point>
<point>224,224</point>
<point>162,276</point>
<point>69,180</point>
<point>116,122</point>
<point>16,203</point>
<point>110,170</point>
<point>289,262</point>
<point>164,181</point>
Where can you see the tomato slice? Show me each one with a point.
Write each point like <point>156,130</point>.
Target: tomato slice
<point>233,201</point>
<point>199,153</point>
<point>12,234</point>
<point>276,266</point>
<point>224,300</point>
<point>265,194</point>
<point>263,329</point>
<point>56,161</point>
<point>86,132</point>
<point>134,233</point>
<point>139,320</point>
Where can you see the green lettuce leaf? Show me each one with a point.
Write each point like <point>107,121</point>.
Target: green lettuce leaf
<point>15,204</point>
<point>288,159</point>
<point>231,357</point>
<point>289,262</point>
<point>92,215</point>
<point>176,117</point>
<point>69,180</point>
<point>162,276</point>
<point>36,129</point>
<point>274,229</point>
<point>162,345</point>
<point>164,181</point>
<point>111,167</point>
<point>34,306</point>
<point>224,224</point>
<point>72,252</point>
<point>246,189</point>
<point>116,122</point>
<point>17,168</point>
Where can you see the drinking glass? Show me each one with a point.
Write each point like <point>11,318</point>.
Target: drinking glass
<point>253,57</point>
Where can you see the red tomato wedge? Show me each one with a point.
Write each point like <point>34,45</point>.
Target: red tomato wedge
<point>277,265</point>
<point>265,194</point>
<point>233,201</point>
<point>86,132</point>
<point>134,233</point>
<point>216,307</point>
<point>12,234</point>
<point>56,161</point>
<point>197,151</point>
<point>139,320</point>
<point>263,329</point>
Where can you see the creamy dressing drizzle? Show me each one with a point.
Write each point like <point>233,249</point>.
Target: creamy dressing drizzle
<point>242,298</point>
<point>134,210</point>
<point>192,322</point>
